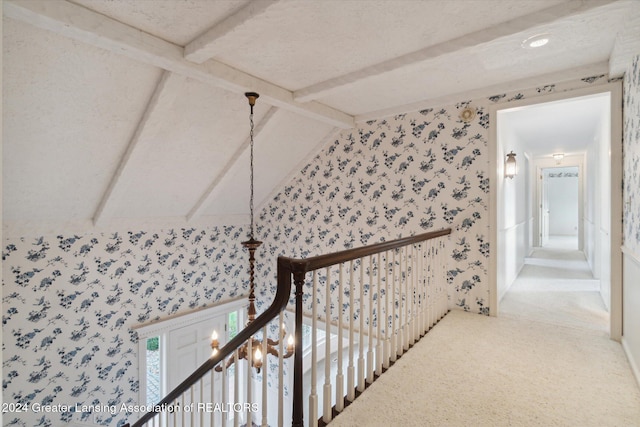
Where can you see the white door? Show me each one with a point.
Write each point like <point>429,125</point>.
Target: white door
<point>188,348</point>
<point>544,214</point>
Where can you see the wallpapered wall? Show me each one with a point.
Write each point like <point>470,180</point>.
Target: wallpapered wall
<point>631,152</point>
<point>69,301</point>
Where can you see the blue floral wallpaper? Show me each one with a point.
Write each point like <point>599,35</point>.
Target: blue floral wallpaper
<point>631,153</point>
<point>69,300</point>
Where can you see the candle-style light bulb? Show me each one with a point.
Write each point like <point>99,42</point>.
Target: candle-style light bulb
<point>290,343</point>
<point>257,359</point>
<point>214,340</point>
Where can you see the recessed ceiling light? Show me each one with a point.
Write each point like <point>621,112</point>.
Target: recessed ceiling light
<point>538,40</point>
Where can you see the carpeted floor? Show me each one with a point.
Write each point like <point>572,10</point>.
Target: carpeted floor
<point>546,361</point>
<point>556,286</point>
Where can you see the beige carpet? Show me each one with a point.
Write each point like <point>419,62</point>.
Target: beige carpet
<point>546,361</point>
<point>556,286</point>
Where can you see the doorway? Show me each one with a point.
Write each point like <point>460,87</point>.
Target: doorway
<point>599,231</point>
<point>560,201</point>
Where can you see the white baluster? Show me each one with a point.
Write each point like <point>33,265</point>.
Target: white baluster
<point>326,395</point>
<point>361,373</point>
<point>175,416</point>
<point>313,397</point>
<point>394,301</point>
<point>225,392</point>
<point>236,381</point>
<point>423,290</point>
<point>443,276</point>
<point>249,397</point>
<point>379,318</point>
<point>212,414</point>
<point>339,374</point>
<point>370,367</point>
<point>402,278</point>
<point>407,300</point>
<point>199,412</point>
<point>184,413</point>
<point>411,299</point>
<point>280,376</point>
<point>415,319</point>
<point>265,372</point>
<point>351,388</point>
<point>432,293</point>
<point>438,284</point>
<point>387,299</point>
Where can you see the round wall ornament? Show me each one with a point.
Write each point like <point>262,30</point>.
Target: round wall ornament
<point>468,114</point>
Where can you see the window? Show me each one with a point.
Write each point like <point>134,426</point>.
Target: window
<point>153,380</point>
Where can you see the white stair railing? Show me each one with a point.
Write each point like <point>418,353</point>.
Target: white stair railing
<point>394,297</point>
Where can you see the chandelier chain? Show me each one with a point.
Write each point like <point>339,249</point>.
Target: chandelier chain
<point>251,171</point>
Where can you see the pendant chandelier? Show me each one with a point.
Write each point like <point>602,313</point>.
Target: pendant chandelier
<point>252,349</point>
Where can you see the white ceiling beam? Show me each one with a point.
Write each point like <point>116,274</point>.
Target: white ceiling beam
<point>110,198</point>
<point>86,26</point>
<point>626,46</point>
<point>467,41</point>
<point>208,44</point>
<point>207,197</point>
<point>487,91</point>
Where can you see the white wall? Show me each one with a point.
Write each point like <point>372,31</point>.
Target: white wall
<point>514,219</point>
<point>598,209</point>
<point>590,202</point>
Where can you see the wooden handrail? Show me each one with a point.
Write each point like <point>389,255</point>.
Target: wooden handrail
<point>286,268</point>
<point>322,261</point>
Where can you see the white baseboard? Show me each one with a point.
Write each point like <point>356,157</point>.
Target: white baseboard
<point>632,362</point>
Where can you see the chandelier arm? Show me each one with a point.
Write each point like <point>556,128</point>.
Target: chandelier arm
<point>273,342</point>
<point>273,351</point>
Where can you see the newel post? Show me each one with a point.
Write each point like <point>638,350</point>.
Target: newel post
<point>299,272</point>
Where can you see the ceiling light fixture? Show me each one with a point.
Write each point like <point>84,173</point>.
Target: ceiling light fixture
<point>558,157</point>
<point>538,40</point>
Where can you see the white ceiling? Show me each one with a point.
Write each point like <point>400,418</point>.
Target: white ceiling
<point>567,126</point>
<point>128,109</point>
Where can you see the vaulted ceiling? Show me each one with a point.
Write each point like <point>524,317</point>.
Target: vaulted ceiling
<point>134,110</point>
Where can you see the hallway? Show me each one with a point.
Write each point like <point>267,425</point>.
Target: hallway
<point>556,286</point>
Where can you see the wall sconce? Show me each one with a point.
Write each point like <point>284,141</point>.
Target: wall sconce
<point>510,166</point>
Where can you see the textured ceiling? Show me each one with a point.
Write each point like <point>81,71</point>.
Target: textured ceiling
<point>128,110</point>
